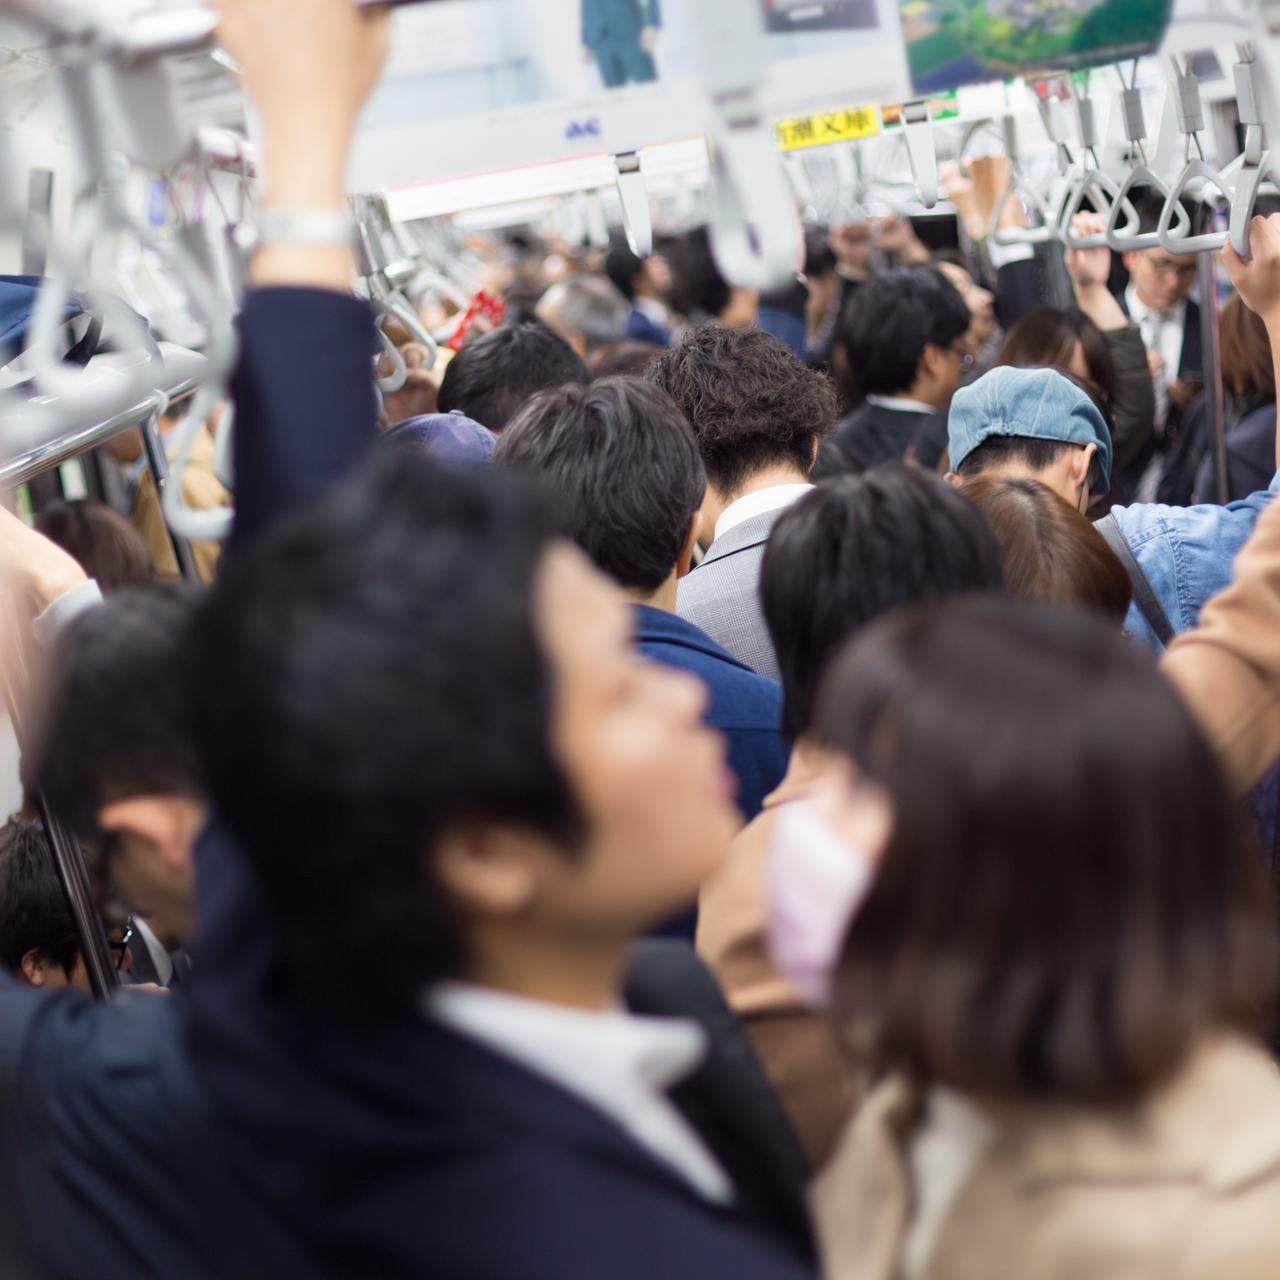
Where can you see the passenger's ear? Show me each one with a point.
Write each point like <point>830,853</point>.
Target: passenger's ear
<point>33,968</point>
<point>161,821</point>
<point>489,871</point>
<point>685,563</point>
<point>1081,461</point>
<point>953,480</point>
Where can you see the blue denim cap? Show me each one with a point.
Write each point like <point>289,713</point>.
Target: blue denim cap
<point>451,439</point>
<point>1040,404</point>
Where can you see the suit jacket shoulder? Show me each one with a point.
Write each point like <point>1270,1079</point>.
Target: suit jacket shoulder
<point>721,596</point>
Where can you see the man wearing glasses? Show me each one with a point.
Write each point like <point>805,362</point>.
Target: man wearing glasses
<point>1158,303</point>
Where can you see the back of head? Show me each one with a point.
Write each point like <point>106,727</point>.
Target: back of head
<point>451,439</point>
<point>752,405</point>
<point>1052,339</point>
<point>364,678</point>
<point>892,318</point>
<point>34,915</point>
<point>106,546</point>
<point>819,256</point>
<point>1051,552</point>
<point>623,267</point>
<point>495,373</point>
<point>698,290</point>
<point>630,358</point>
<point>114,721</point>
<point>856,548</point>
<point>1247,368</point>
<point>1026,417</point>
<point>624,469</point>
<point>587,308</point>
<point>1067,902</point>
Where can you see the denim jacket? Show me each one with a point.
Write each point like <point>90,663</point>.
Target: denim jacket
<point>1187,554</point>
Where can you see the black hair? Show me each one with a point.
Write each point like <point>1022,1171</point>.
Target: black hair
<point>34,915</point>
<point>625,471</point>
<point>114,722</point>
<point>495,373</point>
<point>750,402</point>
<point>364,679</point>
<point>892,318</point>
<point>1032,452</point>
<point>857,547</point>
<point>819,257</point>
<point>698,290</point>
<point>622,267</point>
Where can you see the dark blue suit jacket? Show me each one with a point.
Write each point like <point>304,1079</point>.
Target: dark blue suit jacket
<point>745,707</point>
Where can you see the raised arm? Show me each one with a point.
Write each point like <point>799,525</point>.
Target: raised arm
<point>1228,667</point>
<point>305,409</point>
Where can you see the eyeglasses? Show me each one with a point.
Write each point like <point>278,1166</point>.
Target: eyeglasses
<point>1167,267</point>
<point>121,945</point>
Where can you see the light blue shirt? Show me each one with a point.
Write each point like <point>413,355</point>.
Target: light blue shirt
<point>1187,554</point>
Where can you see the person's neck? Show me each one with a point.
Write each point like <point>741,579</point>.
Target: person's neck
<point>664,598</point>
<point>925,392</point>
<point>715,504</point>
<point>577,973</point>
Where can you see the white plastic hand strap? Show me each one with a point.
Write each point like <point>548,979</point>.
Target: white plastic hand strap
<point>399,375</point>
<point>634,198</point>
<point>922,154</point>
<point>755,230</point>
<point>1109,200</point>
<point>104,212</point>
<point>1255,165</point>
<point>1128,235</point>
<point>755,233</point>
<point>1195,172</point>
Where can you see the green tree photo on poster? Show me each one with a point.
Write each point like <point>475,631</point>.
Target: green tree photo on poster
<point>953,42</point>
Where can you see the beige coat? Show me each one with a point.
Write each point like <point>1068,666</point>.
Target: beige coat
<point>1185,1186</point>
<point>799,1051</point>
<point>202,491</point>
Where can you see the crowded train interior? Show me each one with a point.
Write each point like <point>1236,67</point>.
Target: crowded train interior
<point>639,640</point>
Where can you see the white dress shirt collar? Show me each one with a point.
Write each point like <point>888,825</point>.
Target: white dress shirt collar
<point>904,404</point>
<point>1139,311</point>
<point>757,503</point>
<point>618,1063</point>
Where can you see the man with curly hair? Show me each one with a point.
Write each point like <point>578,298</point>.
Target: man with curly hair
<point>758,415</point>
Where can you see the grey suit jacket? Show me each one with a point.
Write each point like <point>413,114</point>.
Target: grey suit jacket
<point>722,595</point>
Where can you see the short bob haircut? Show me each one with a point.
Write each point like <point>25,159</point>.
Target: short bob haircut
<point>1068,900</point>
<point>1051,552</point>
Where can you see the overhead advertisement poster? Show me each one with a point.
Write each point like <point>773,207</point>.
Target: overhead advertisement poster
<point>477,86</point>
<point>957,42</point>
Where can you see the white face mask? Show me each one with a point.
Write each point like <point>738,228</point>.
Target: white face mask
<point>815,882</point>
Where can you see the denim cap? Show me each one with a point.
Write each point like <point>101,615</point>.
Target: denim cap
<point>1040,404</point>
<point>451,439</point>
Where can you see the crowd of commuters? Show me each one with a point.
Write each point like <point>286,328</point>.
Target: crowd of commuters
<point>723,786</point>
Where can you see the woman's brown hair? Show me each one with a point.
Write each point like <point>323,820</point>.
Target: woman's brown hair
<point>1047,338</point>
<point>1051,553</point>
<point>1068,901</point>
<point>106,545</point>
<point>1247,369</point>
